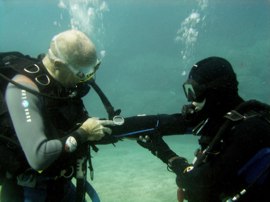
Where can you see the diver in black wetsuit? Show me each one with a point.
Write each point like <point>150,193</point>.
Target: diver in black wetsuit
<point>234,156</point>
<point>47,120</point>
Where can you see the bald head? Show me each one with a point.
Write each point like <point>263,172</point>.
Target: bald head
<point>71,57</point>
<point>74,47</point>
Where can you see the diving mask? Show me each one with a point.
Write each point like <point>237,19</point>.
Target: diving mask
<point>193,91</point>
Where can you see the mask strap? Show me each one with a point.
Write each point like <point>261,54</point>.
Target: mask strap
<point>58,53</point>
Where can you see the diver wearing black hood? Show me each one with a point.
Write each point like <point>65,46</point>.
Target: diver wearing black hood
<point>233,161</point>
<point>212,86</point>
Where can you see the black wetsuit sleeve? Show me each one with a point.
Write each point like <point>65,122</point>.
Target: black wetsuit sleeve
<point>144,125</point>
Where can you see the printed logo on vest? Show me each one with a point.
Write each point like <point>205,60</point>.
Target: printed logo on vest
<point>25,105</point>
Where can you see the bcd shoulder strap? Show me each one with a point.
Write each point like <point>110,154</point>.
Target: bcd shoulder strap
<point>244,111</point>
<point>249,109</point>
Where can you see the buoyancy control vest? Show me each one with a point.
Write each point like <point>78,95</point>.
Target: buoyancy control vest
<point>64,110</point>
<point>257,170</point>
<point>244,111</point>
<point>64,107</point>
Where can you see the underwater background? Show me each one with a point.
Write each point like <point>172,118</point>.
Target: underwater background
<point>147,48</point>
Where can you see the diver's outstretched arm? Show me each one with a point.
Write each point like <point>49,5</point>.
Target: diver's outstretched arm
<point>143,125</point>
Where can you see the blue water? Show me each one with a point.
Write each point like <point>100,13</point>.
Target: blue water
<point>145,65</point>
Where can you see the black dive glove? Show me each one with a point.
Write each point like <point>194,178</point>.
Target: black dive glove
<point>188,111</point>
<point>158,147</point>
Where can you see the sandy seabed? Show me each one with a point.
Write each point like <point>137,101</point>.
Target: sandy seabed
<point>129,173</point>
